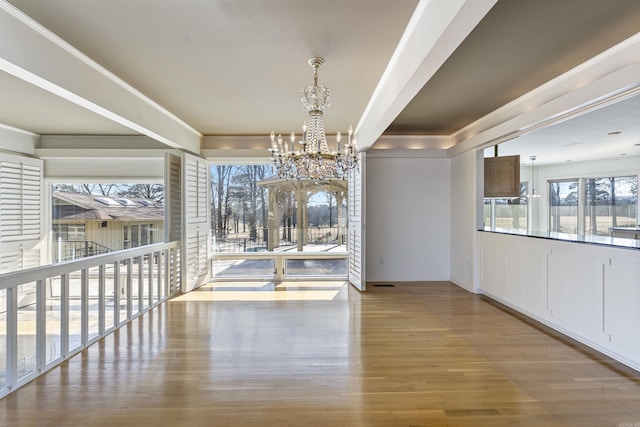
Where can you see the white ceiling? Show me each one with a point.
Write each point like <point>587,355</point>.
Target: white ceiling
<point>237,67</point>
<point>234,67</point>
<point>593,135</point>
<point>28,107</point>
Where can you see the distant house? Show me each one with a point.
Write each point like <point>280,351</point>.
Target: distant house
<point>85,225</point>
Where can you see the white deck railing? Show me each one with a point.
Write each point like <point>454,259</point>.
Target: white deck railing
<point>50,313</point>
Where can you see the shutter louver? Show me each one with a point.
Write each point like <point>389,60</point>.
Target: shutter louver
<point>356,225</point>
<point>20,201</point>
<point>173,215</point>
<point>197,221</point>
<point>20,212</point>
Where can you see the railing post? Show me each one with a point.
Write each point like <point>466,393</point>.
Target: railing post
<point>150,279</point>
<point>12,337</point>
<point>64,315</point>
<point>84,307</point>
<point>167,272</point>
<point>140,284</point>
<point>101,300</point>
<point>117,294</point>
<point>129,286</point>
<point>41,327</point>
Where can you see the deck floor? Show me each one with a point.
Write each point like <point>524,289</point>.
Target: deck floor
<point>322,354</point>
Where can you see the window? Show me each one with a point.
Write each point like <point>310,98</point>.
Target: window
<point>125,237</point>
<point>254,211</point>
<point>563,206</point>
<point>610,202</point>
<point>135,241</point>
<point>507,213</point>
<point>144,234</point>
<point>107,217</point>
<point>261,222</point>
<point>68,232</point>
<point>60,232</point>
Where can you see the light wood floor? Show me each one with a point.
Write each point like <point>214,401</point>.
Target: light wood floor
<point>321,354</point>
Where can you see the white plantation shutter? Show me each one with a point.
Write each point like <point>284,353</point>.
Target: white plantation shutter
<point>197,220</point>
<point>173,211</point>
<point>20,212</point>
<point>355,242</point>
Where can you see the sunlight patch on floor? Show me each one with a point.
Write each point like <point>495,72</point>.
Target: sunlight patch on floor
<point>269,291</point>
<point>258,296</point>
<point>237,285</point>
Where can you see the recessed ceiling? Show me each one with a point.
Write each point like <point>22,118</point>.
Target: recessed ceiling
<point>518,46</point>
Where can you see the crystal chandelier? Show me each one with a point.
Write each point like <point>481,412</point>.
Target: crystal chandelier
<point>314,160</point>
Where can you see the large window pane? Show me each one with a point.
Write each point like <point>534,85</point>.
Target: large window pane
<point>93,219</point>
<point>563,206</point>
<point>317,267</point>
<point>243,268</point>
<point>509,213</point>
<point>254,211</point>
<point>610,202</point>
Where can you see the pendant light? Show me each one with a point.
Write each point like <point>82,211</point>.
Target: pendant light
<point>533,176</point>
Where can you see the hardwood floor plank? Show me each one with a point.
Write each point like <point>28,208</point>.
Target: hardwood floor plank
<point>416,354</point>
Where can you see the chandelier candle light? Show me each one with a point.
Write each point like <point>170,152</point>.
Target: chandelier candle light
<point>314,160</point>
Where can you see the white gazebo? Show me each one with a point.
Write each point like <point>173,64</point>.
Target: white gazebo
<point>303,190</point>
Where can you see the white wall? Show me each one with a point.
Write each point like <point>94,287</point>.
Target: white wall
<point>463,219</point>
<point>408,219</point>
<point>131,170</point>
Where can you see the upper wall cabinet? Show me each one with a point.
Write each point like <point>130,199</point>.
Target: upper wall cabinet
<point>502,176</point>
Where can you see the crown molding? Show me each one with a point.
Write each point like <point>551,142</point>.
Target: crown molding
<point>412,142</point>
<point>428,153</point>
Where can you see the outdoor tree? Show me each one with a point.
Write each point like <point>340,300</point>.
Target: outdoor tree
<point>153,192</point>
<point>101,189</point>
<point>330,201</point>
<point>221,198</point>
<point>250,196</point>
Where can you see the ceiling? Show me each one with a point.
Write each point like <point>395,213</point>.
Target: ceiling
<point>237,67</point>
<point>607,132</point>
